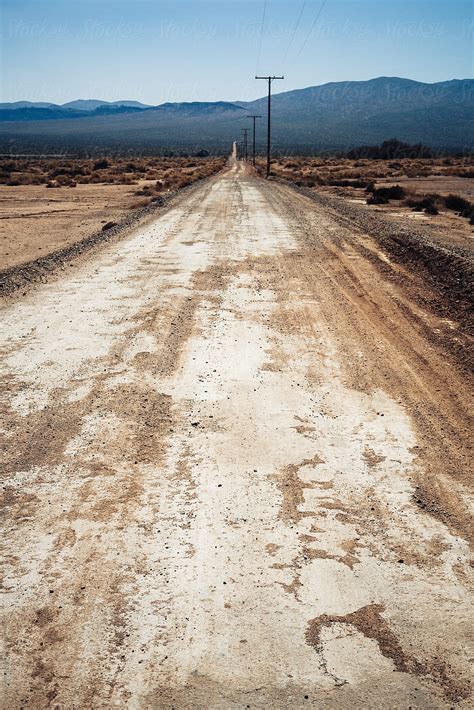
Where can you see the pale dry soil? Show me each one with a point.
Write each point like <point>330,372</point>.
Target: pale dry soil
<point>237,471</point>
<point>438,184</point>
<point>36,220</point>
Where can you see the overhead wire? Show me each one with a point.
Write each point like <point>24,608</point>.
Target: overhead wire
<point>311,29</point>
<point>295,28</point>
<point>261,35</point>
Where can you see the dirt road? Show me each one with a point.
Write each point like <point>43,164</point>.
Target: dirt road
<point>237,471</point>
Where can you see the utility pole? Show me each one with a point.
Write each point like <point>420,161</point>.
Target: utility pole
<point>246,151</point>
<point>269,79</point>
<point>254,119</point>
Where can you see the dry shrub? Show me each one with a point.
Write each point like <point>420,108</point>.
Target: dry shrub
<point>395,192</point>
<point>463,207</point>
<point>424,203</point>
<point>101,164</point>
<point>456,203</point>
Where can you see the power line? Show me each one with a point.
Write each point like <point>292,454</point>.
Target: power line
<point>310,32</point>
<point>261,34</point>
<point>295,28</point>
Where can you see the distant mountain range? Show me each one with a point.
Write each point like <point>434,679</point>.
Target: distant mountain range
<point>92,104</point>
<point>79,104</point>
<point>335,116</point>
<point>82,108</point>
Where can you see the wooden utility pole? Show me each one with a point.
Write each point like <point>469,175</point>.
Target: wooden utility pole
<point>269,79</point>
<point>254,119</point>
<point>246,150</point>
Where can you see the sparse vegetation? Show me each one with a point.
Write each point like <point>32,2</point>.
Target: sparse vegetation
<point>345,172</point>
<point>101,164</point>
<point>165,174</point>
<point>377,200</point>
<point>425,203</point>
<point>349,183</point>
<point>380,181</point>
<point>49,203</point>
<point>457,203</point>
<point>463,207</point>
<point>390,150</point>
<point>385,194</point>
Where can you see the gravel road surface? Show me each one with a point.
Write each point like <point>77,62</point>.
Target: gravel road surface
<point>236,470</point>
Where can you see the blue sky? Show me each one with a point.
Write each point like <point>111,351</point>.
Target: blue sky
<point>155,51</point>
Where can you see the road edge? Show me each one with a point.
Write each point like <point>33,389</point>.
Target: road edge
<point>23,277</point>
<point>449,272</point>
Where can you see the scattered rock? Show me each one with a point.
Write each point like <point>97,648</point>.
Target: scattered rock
<point>109,225</point>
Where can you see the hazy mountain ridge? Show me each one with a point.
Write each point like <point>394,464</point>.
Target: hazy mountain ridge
<point>50,113</point>
<point>92,104</point>
<point>29,111</point>
<point>333,116</point>
<point>79,104</point>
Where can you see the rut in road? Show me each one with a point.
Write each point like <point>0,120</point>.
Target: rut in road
<point>237,471</point>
